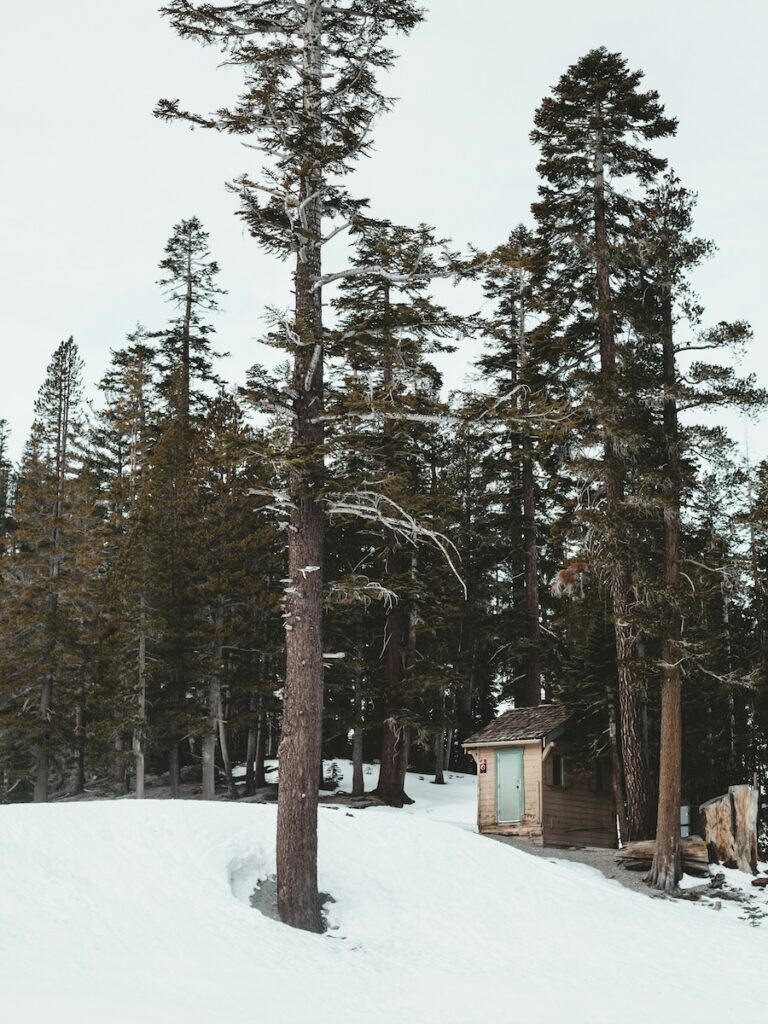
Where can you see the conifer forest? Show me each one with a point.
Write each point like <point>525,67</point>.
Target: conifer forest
<point>340,556</point>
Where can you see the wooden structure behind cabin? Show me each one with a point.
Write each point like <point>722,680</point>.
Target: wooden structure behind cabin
<point>529,782</point>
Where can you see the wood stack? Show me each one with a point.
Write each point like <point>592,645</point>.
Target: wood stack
<point>729,827</point>
<point>638,856</point>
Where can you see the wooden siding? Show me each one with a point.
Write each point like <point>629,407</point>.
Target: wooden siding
<point>576,814</point>
<point>530,826</point>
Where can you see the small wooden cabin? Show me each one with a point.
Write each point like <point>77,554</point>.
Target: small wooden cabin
<point>529,782</point>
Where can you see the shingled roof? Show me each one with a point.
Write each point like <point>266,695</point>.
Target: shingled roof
<point>521,724</point>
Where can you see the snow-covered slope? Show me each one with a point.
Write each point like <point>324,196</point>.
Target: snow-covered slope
<point>124,911</point>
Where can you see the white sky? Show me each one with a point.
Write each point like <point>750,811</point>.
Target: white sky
<point>91,183</point>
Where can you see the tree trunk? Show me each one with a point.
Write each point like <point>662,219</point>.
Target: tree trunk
<point>387,788</point>
<point>632,741</point>
<point>78,778</point>
<point>439,778</point>
<point>224,747</point>
<point>254,728</point>
<point>42,758</point>
<point>403,757</point>
<point>666,870</point>
<point>139,731</point>
<point>531,688</point>
<point>209,740</point>
<point>617,772</point>
<point>259,778</point>
<point>298,901</point>
<point>358,780</point>
<point>174,780</point>
<point>745,802</point>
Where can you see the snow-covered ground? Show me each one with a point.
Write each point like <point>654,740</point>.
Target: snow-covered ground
<point>125,911</point>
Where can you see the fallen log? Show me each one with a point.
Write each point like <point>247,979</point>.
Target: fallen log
<point>638,856</point>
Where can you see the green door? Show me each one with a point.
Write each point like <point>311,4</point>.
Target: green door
<point>510,793</point>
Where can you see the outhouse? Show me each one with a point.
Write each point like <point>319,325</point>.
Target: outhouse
<point>535,780</point>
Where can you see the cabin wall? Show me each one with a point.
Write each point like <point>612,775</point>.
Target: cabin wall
<point>576,814</point>
<point>530,826</point>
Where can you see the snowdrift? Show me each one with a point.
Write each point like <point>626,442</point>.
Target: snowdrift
<point>131,911</point>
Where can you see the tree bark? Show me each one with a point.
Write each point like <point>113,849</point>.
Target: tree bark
<point>439,778</point>
<point>224,747</point>
<point>387,788</point>
<point>632,744</point>
<point>358,779</point>
<point>209,740</point>
<point>259,777</point>
<point>254,757</point>
<point>617,771</point>
<point>174,779</point>
<point>78,779</point>
<point>139,730</point>
<point>531,688</point>
<point>298,901</point>
<point>666,870</point>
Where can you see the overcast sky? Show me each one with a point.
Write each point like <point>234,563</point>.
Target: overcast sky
<point>91,184</point>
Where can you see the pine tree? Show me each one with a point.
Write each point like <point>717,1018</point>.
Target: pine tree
<point>666,251</point>
<point>387,409</point>
<point>592,133</point>
<point>309,100</point>
<point>517,412</point>
<point>189,284</point>
<point>6,478</point>
<point>122,440</point>
<point>40,573</point>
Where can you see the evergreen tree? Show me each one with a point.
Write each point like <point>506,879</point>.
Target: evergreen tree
<point>310,96</point>
<point>6,478</point>
<point>386,413</point>
<point>40,573</point>
<point>593,133</point>
<point>189,283</point>
<point>516,416</point>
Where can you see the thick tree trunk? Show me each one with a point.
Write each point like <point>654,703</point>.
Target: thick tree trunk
<point>666,870</point>
<point>531,688</point>
<point>632,742</point>
<point>729,825</point>
<point>387,788</point>
<point>298,901</point>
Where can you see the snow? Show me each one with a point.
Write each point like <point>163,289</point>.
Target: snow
<point>126,911</point>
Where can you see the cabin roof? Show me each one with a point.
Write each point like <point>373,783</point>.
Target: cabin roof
<point>521,724</point>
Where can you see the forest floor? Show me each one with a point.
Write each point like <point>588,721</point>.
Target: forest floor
<point>127,910</point>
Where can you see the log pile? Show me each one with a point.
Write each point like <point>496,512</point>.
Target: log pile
<point>729,827</point>
<point>638,856</point>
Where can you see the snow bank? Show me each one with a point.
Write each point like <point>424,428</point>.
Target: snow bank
<point>127,911</point>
